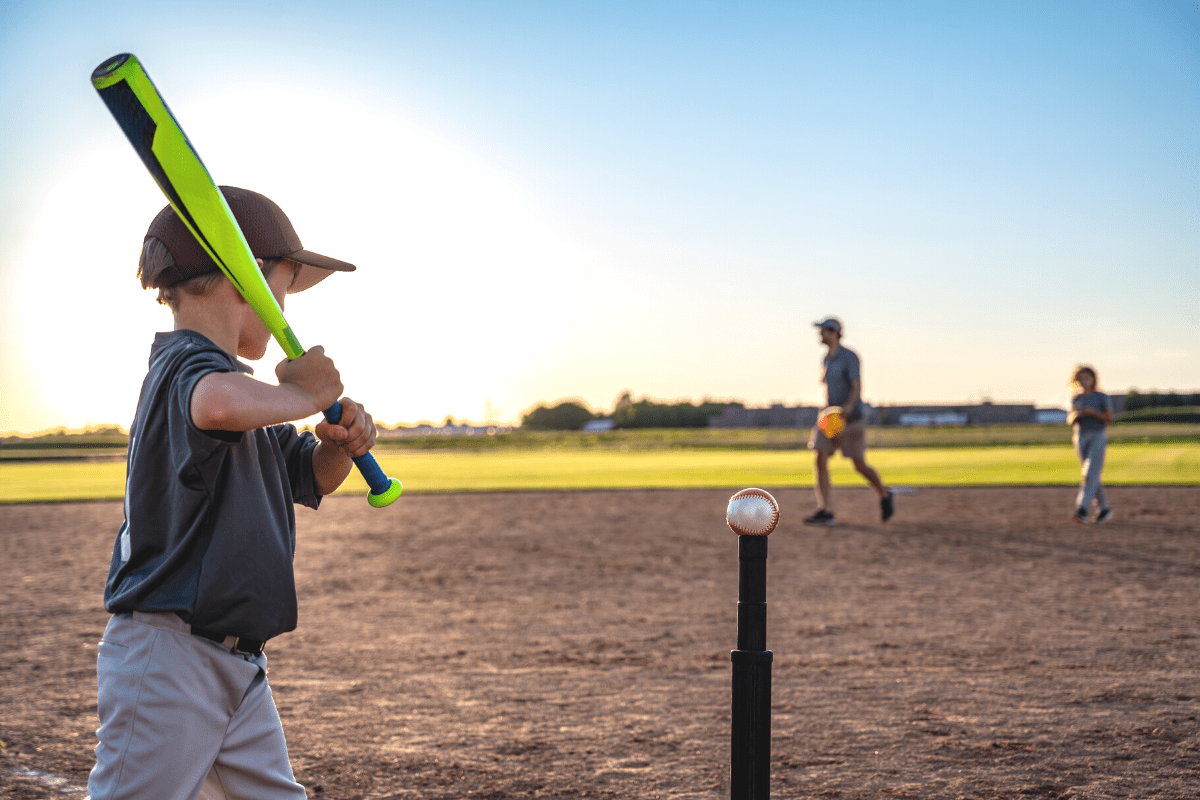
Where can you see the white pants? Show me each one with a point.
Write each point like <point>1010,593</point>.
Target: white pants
<point>180,714</point>
<point>1090,446</point>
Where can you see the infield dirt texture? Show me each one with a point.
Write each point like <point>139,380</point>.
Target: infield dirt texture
<point>576,645</point>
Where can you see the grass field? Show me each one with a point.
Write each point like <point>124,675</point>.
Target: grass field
<point>112,445</point>
<point>793,438</point>
<point>1161,463</point>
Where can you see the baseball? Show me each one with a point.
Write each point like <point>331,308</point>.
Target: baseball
<point>831,422</point>
<point>752,512</point>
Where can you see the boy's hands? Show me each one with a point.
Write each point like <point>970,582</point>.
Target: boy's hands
<point>354,434</point>
<point>351,437</point>
<point>313,376</point>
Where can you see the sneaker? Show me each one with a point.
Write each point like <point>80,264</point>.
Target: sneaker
<point>887,506</point>
<point>1080,516</point>
<point>1105,515</point>
<point>822,517</point>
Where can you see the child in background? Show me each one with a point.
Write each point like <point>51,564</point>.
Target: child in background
<point>1091,413</point>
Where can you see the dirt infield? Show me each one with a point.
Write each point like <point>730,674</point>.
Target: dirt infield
<point>576,645</point>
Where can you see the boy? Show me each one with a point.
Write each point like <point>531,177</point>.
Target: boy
<point>1091,414</point>
<point>201,574</point>
<point>843,387</point>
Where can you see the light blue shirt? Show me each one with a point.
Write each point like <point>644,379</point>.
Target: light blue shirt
<point>1096,401</point>
<point>841,370</point>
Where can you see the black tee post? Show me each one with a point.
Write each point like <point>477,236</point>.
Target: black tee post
<point>750,739</point>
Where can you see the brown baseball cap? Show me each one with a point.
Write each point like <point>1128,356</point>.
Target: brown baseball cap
<point>267,229</point>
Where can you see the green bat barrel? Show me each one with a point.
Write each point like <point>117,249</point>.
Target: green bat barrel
<point>175,165</point>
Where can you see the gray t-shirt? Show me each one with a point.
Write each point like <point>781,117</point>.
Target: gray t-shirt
<point>1096,401</point>
<point>840,370</point>
<point>210,528</point>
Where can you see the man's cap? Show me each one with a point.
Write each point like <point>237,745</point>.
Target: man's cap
<point>267,229</point>
<point>833,323</point>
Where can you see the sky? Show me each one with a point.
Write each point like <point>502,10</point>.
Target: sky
<point>552,199</point>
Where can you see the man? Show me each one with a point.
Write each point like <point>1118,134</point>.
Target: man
<point>843,388</point>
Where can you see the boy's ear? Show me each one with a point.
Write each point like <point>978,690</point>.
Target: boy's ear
<point>227,286</point>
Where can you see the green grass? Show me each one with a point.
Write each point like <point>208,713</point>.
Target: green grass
<point>789,438</point>
<point>1169,463</point>
<point>112,445</point>
<point>39,481</point>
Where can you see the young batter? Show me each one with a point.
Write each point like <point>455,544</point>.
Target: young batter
<point>842,377</point>
<point>201,574</point>
<point>1091,414</point>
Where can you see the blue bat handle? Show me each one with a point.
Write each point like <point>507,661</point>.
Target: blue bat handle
<point>384,490</point>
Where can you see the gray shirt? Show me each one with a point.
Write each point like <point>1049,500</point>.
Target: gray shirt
<point>210,527</point>
<point>840,370</point>
<point>1096,401</point>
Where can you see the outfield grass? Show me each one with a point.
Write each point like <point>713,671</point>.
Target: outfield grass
<point>112,446</point>
<point>790,438</point>
<point>599,468</point>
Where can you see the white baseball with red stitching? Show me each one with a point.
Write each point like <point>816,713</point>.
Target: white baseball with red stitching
<point>752,512</point>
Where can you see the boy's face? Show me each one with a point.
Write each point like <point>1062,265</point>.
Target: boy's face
<point>254,339</point>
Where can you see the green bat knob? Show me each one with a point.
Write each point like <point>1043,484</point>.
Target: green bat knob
<point>387,496</point>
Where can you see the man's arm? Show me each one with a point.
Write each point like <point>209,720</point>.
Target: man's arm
<point>853,398</point>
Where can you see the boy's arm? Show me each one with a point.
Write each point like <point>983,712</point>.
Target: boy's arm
<point>1107,412</point>
<point>232,401</point>
<point>352,436</point>
<point>1105,416</point>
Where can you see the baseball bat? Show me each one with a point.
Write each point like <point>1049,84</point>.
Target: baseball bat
<point>175,165</point>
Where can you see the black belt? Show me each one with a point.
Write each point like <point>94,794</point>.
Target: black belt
<point>243,645</point>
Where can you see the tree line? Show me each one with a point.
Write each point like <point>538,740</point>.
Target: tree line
<point>571,415</point>
<point>1135,400</point>
<point>628,413</point>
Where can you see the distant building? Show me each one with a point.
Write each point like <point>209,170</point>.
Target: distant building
<point>1051,416</point>
<point>928,419</point>
<point>985,413</point>
<point>401,431</point>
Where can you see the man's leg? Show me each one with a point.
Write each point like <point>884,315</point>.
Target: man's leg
<point>854,447</point>
<point>868,472</point>
<point>823,490</point>
<point>887,500</point>
<point>821,485</point>
<point>822,448</point>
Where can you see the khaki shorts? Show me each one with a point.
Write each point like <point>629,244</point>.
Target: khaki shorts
<point>852,441</point>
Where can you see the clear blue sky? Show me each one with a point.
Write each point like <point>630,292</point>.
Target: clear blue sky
<point>550,200</point>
